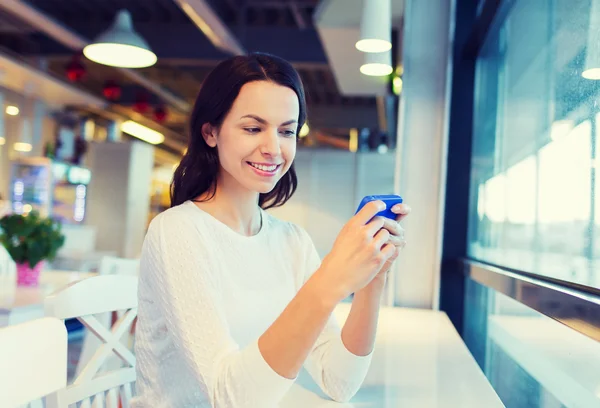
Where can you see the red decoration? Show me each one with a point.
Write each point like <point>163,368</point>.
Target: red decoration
<point>75,69</point>
<point>141,105</point>
<point>112,91</point>
<point>160,114</point>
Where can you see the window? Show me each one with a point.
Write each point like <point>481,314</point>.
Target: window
<point>530,359</point>
<point>535,156</point>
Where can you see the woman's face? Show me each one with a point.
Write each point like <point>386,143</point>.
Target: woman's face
<point>257,140</point>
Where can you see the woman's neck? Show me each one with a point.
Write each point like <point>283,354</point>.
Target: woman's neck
<point>234,207</point>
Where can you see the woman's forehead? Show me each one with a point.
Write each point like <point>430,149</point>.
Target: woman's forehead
<point>268,100</point>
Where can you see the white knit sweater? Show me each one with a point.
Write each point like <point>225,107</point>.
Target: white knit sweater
<point>206,294</point>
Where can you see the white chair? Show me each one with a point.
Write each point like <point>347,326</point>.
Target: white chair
<point>8,267</point>
<point>8,284</point>
<point>33,361</point>
<point>78,251</point>
<point>82,300</point>
<point>112,265</point>
<point>109,265</point>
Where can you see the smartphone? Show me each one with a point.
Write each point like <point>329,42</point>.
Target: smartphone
<point>389,200</point>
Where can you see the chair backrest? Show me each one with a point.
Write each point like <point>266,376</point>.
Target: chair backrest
<point>112,265</point>
<point>8,281</point>
<point>109,265</point>
<point>33,361</point>
<point>83,300</point>
<point>78,238</point>
<point>8,267</point>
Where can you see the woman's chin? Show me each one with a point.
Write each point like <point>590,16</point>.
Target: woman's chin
<point>264,187</point>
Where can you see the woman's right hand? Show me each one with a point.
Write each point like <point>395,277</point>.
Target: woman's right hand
<point>360,250</point>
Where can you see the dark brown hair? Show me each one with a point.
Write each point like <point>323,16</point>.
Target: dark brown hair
<point>197,172</point>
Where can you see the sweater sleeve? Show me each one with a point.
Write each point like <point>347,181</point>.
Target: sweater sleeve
<point>175,263</point>
<point>332,366</point>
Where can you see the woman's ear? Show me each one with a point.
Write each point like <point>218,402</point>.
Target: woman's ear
<point>209,135</point>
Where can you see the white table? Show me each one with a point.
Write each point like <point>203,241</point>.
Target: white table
<point>419,361</point>
<point>20,303</point>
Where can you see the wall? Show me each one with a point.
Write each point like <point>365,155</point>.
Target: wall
<point>422,148</point>
<point>119,195</point>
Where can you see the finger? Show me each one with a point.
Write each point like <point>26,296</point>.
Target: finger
<point>402,210</point>
<point>369,211</point>
<point>375,225</point>
<point>397,241</point>
<point>394,255</point>
<point>393,227</point>
<point>387,252</point>
<point>381,238</point>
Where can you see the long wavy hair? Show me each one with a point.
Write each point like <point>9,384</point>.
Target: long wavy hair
<point>197,172</point>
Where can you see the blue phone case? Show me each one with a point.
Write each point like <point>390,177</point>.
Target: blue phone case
<point>389,200</point>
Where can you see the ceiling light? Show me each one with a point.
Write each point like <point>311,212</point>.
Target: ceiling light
<point>397,85</point>
<point>142,132</point>
<point>22,147</point>
<point>375,27</point>
<point>591,69</point>
<point>353,145</point>
<point>591,73</point>
<point>201,24</point>
<point>304,130</point>
<point>2,141</point>
<point>121,46</point>
<point>12,110</point>
<point>377,64</point>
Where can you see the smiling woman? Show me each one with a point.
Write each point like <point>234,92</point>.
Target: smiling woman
<point>228,126</point>
<point>262,143</point>
<point>233,301</point>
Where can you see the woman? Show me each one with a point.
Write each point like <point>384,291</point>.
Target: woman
<point>232,301</point>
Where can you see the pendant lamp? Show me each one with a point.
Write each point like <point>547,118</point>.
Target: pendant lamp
<point>591,69</point>
<point>377,64</point>
<point>121,46</point>
<point>376,26</point>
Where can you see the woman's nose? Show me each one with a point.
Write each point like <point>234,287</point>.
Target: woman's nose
<point>270,143</point>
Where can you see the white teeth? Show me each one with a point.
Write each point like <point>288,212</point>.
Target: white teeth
<point>263,167</point>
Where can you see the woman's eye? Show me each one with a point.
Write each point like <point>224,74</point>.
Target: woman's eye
<point>288,133</point>
<point>252,130</point>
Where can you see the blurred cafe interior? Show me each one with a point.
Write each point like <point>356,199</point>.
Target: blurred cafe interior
<point>482,114</point>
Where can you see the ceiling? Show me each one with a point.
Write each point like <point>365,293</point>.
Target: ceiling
<point>48,32</point>
<point>20,78</point>
<point>338,25</point>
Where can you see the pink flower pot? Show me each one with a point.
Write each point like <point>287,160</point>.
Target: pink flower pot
<point>27,276</point>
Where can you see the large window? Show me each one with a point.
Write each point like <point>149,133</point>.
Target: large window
<point>535,175</point>
<point>531,360</point>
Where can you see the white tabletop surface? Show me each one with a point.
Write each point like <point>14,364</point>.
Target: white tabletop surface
<point>21,303</point>
<point>419,361</point>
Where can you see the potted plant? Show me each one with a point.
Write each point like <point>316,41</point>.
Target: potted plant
<point>30,240</point>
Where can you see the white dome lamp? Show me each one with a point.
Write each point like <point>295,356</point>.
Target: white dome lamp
<point>375,26</point>
<point>591,69</point>
<point>121,46</point>
<point>377,64</point>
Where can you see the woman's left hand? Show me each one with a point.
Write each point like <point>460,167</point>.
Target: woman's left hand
<point>396,238</point>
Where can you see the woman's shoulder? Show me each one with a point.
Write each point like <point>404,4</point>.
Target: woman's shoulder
<point>288,229</point>
<point>176,220</point>
<point>176,212</point>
